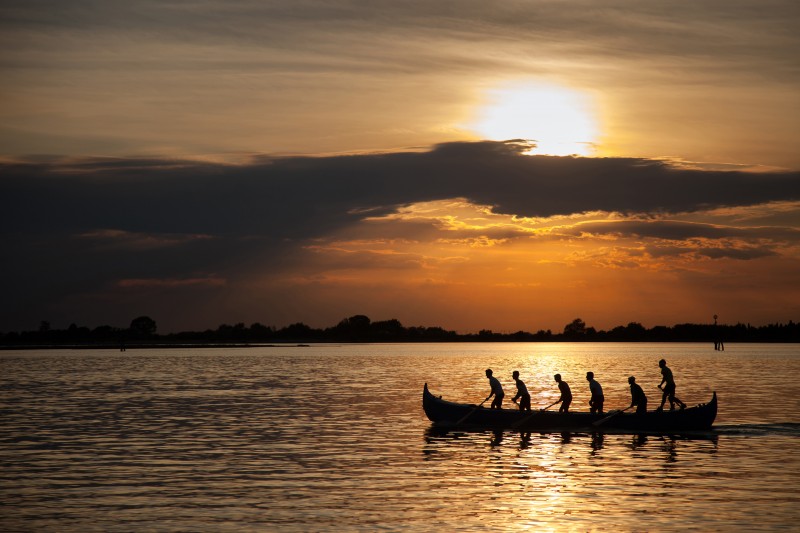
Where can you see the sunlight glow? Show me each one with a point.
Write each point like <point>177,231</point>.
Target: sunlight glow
<point>561,121</point>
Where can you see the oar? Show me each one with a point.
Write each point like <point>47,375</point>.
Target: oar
<point>518,423</point>
<point>473,410</point>
<point>609,417</point>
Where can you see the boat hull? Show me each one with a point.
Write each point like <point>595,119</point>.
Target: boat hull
<point>444,413</point>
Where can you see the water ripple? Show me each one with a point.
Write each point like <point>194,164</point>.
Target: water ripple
<point>333,439</point>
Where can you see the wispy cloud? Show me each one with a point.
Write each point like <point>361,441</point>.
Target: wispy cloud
<point>112,238</point>
<point>169,283</point>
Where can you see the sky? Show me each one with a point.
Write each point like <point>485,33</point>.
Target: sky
<point>473,165</point>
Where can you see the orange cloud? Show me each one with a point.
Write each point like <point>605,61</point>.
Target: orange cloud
<point>547,269</point>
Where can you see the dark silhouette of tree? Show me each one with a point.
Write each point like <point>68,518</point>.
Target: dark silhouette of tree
<point>575,329</point>
<point>297,331</point>
<point>486,335</point>
<point>76,334</point>
<point>360,322</point>
<point>387,329</point>
<point>106,333</point>
<point>143,326</point>
<point>259,332</point>
<point>352,329</point>
<point>228,333</point>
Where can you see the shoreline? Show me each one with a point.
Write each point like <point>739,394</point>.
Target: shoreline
<point>164,346</point>
<point>126,348</point>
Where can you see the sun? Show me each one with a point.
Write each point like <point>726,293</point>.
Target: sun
<point>560,120</point>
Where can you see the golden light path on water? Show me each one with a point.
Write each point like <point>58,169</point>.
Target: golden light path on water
<point>333,438</point>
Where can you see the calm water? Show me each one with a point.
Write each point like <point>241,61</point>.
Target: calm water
<point>333,438</point>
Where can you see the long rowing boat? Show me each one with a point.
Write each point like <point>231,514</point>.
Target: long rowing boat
<point>444,413</point>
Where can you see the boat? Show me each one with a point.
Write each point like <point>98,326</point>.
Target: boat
<point>446,414</point>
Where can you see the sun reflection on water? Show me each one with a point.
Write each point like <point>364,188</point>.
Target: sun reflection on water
<point>542,479</point>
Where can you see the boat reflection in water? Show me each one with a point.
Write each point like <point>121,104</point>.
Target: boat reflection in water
<point>440,439</point>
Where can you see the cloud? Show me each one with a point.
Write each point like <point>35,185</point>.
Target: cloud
<point>738,251</point>
<point>345,255</point>
<point>112,238</point>
<point>295,197</point>
<point>680,230</point>
<point>347,30</point>
<point>171,283</point>
<point>80,225</point>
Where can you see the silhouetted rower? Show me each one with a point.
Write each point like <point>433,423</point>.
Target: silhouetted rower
<point>638,397</point>
<point>566,394</point>
<point>597,399</point>
<point>522,393</point>
<point>497,390</point>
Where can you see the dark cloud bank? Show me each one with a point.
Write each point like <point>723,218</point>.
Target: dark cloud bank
<point>71,226</point>
<point>297,197</point>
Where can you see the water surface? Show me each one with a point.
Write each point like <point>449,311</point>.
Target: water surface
<point>333,438</point>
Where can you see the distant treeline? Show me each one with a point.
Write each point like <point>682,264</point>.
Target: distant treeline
<point>359,328</point>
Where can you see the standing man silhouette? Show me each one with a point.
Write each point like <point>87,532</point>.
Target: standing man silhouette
<point>668,383</point>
